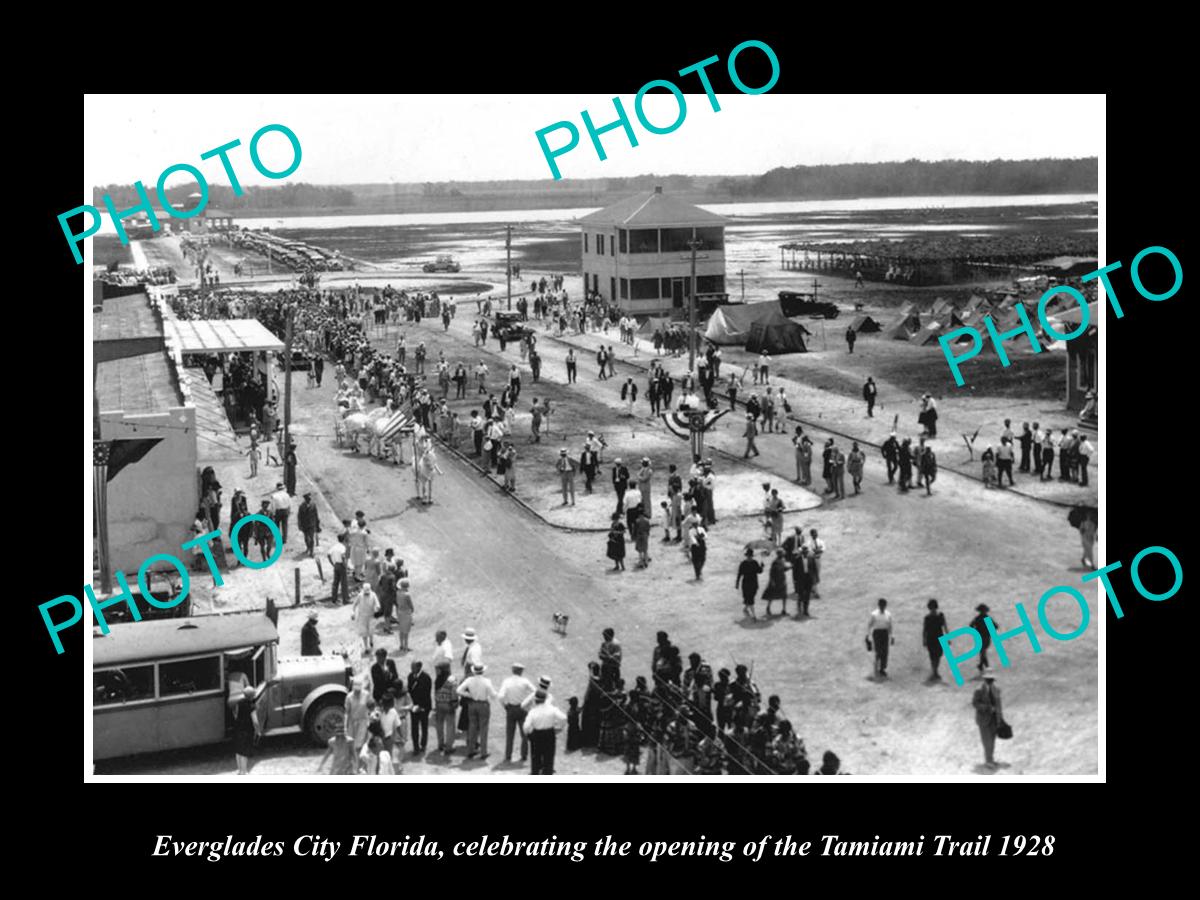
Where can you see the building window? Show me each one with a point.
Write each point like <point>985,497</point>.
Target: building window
<point>624,288</point>
<point>666,288</point>
<point>599,245</point>
<point>711,238</point>
<point>585,242</point>
<point>710,284</point>
<point>189,676</point>
<point>643,289</point>
<point>111,686</point>
<point>612,288</point>
<point>612,245</point>
<point>643,240</point>
<point>675,240</point>
<point>624,236</point>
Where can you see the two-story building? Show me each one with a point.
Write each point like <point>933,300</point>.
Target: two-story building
<point>637,253</point>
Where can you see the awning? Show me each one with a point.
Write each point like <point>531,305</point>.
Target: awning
<point>220,335</point>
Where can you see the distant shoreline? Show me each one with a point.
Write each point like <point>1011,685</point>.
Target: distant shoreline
<point>507,202</point>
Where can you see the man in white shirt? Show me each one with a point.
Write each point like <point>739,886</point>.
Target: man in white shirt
<point>816,547</point>
<point>879,634</point>
<point>445,650</point>
<point>281,509</point>
<point>542,725</point>
<point>337,559</point>
<point>472,653</point>
<point>514,691</point>
<point>479,693</point>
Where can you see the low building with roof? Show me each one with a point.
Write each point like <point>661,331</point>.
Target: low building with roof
<point>635,253</point>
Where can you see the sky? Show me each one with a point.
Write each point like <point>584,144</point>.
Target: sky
<point>416,138</point>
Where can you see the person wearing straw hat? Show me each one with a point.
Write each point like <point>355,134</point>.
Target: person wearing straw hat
<point>565,466</point>
<point>479,694</point>
<point>358,713</point>
<point>989,713</point>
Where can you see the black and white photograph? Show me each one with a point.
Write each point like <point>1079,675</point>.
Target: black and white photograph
<point>745,448</point>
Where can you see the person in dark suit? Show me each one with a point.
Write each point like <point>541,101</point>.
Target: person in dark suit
<point>420,688</point>
<point>933,628</point>
<point>985,636</point>
<point>1026,442</point>
<point>747,580</point>
<point>589,465</point>
<point>309,522</point>
<point>310,639</point>
<point>989,713</point>
<point>383,675</point>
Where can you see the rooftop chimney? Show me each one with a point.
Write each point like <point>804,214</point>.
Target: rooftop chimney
<point>658,189</point>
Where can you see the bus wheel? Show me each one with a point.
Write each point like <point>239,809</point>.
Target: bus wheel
<point>326,719</point>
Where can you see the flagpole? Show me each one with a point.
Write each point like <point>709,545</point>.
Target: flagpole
<point>100,452</point>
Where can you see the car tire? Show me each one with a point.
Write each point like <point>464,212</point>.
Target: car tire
<point>325,719</point>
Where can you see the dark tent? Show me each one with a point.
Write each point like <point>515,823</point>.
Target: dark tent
<point>865,324</point>
<point>776,334</point>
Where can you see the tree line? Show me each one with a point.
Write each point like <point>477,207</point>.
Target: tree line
<point>916,177</point>
<point>286,196</point>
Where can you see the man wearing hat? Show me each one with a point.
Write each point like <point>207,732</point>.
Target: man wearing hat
<point>542,724</point>
<point>620,480</point>
<point>472,653</point>
<point>310,523</point>
<point>514,691</point>
<point>565,466</point>
<point>979,623</point>
<point>988,715</point>
<point>479,693</point>
<point>749,434</point>
<point>281,508</point>
<point>310,640</point>
<point>542,685</point>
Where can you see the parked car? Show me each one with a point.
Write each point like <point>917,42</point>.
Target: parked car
<point>508,325</point>
<point>164,685</point>
<point>442,264</point>
<point>164,586</point>
<point>797,304</point>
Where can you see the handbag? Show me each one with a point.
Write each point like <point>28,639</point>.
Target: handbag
<point>1004,731</point>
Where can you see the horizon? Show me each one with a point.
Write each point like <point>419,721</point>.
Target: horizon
<point>430,138</point>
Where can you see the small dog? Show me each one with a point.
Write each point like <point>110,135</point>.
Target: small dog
<point>560,623</point>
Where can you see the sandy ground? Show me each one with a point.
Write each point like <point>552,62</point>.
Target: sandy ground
<point>480,559</point>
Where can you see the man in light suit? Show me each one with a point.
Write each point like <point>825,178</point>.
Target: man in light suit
<point>988,715</point>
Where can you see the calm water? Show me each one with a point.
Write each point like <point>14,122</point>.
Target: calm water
<point>505,216</point>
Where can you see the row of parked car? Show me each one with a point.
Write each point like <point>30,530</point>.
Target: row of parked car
<point>296,255</point>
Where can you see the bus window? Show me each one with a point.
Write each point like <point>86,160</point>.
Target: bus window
<point>123,685</point>
<point>189,676</point>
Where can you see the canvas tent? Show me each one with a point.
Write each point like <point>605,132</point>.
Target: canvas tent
<point>942,308</point>
<point>776,334</point>
<point>904,327</point>
<point>928,334</point>
<point>731,324</point>
<point>865,325</point>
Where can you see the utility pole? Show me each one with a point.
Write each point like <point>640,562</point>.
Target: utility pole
<point>508,259</point>
<point>287,383</point>
<point>694,244</point>
<point>742,273</point>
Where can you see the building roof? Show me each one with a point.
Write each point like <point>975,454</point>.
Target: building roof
<point>652,209</point>
<point>214,213</point>
<point>164,638</point>
<point>125,317</point>
<point>145,383</point>
<point>221,335</point>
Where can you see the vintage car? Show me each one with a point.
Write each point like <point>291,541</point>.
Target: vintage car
<point>165,684</point>
<point>442,264</point>
<point>507,326</point>
<point>164,586</point>
<point>797,304</point>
